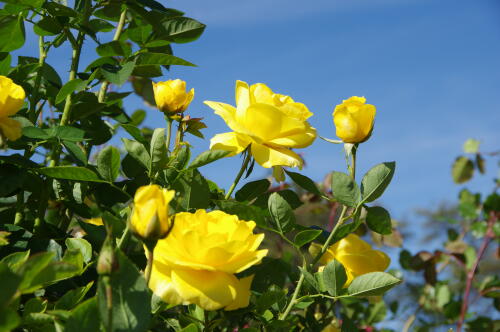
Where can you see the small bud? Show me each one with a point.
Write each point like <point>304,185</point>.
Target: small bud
<point>107,262</point>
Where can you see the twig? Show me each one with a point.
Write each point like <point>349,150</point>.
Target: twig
<point>488,236</point>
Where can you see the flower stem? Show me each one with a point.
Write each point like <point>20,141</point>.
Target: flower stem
<point>324,248</point>
<point>169,130</point>
<point>295,293</point>
<point>238,177</point>
<point>149,266</point>
<point>118,33</point>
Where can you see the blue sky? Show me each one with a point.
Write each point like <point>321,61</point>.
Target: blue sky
<point>430,67</point>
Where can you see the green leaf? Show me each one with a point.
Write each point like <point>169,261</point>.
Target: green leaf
<point>345,190</point>
<point>114,48</point>
<point>108,163</point>
<point>252,190</point>
<point>76,151</point>
<point>70,299</point>
<point>281,213</point>
<point>85,317</point>
<point>47,26</point>
<point>131,298</point>
<point>118,74</point>
<point>161,59</point>
<point>80,244</point>
<point>135,133</point>
<point>306,236</point>
<point>10,283</point>
<point>15,259</point>
<point>244,211</point>
<point>182,29</point>
<point>137,151</point>
<point>378,220</point>
<point>376,181</point>
<point>270,297</point>
<point>70,87</point>
<point>471,146</point>
<point>304,182</point>
<point>462,169</point>
<point>69,173</point>
<point>207,157</point>
<point>34,265</point>
<point>193,190</point>
<point>66,133</point>
<point>372,284</point>
<point>9,319</point>
<point>334,277</point>
<point>158,150</point>
<point>28,3</point>
<point>12,34</point>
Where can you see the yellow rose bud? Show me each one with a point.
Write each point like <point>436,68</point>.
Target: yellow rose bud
<point>331,328</point>
<point>356,255</point>
<point>150,219</point>
<point>11,100</point>
<point>272,124</point>
<point>354,120</point>
<point>171,96</point>
<point>197,262</point>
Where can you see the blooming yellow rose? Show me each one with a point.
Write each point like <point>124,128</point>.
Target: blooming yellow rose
<point>196,263</point>
<point>11,99</point>
<point>150,218</point>
<point>171,96</point>
<point>356,255</point>
<point>271,123</point>
<point>354,120</point>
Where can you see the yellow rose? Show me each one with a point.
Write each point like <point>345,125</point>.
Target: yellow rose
<point>271,123</point>
<point>354,120</point>
<point>356,255</point>
<point>11,100</point>
<point>196,263</point>
<point>171,96</point>
<point>149,218</point>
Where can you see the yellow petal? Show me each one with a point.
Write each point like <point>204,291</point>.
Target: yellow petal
<point>298,111</point>
<point>242,97</point>
<point>10,128</point>
<point>268,157</point>
<point>261,93</point>
<point>301,139</point>
<point>346,126</point>
<point>234,142</point>
<point>370,261</point>
<point>242,294</point>
<point>210,290</point>
<point>262,121</point>
<point>94,221</point>
<point>11,97</point>
<point>162,286</point>
<point>227,113</point>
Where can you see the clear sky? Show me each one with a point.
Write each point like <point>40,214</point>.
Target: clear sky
<point>432,69</point>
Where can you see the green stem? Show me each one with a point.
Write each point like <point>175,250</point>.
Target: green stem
<point>124,238</point>
<point>238,177</point>
<point>295,293</point>
<point>118,33</point>
<point>149,266</point>
<point>169,131</point>
<point>324,248</point>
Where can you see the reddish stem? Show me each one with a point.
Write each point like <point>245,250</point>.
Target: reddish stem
<point>471,273</point>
